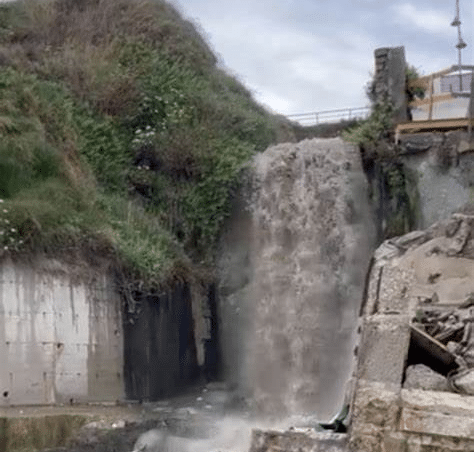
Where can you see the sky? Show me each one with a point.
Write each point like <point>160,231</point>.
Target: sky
<point>299,56</point>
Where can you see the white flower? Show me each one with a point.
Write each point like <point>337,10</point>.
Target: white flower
<point>1,200</point>
<point>5,211</point>
<point>13,229</point>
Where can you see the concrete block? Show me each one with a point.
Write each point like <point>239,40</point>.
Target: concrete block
<point>270,441</point>
<point>395,442</point>
<point>384,348</point>
<point>413,444</point>
<point>375,409</point>
<point>365,443</point>
<point>435,401</point>
<point>436,424</point>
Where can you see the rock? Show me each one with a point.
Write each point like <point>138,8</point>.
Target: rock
<point>419,376</point>
<point>119,424</point>
<point>463,381</point>
<point>151,441</point>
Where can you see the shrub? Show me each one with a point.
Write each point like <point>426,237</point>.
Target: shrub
<point>377,126</point>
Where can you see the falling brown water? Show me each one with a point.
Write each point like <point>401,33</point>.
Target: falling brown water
<point>292,266</point>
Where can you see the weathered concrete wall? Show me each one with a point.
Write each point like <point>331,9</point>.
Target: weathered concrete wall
<point>160,348</point>
<point>60,336</point>
<point>386,420</point>
<point>443,168</point>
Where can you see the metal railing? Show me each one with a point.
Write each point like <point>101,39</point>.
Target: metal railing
<point>442,86</point>
<point>447,102</point>
<point>330,116</point>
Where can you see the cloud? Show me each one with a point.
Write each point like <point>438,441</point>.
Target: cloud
<point>318,55</point>
<point>428,20</point>
<point>292,69</point>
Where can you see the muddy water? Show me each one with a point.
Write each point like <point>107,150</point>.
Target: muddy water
<point>292,269</point>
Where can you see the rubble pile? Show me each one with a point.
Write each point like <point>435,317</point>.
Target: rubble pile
<point>415,373</point>
<point>453,329</point>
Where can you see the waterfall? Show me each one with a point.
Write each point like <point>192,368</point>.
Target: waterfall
<point>292,270</point>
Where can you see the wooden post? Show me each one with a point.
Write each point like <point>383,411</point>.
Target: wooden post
<point>431,89</point>
<point>471,107</point>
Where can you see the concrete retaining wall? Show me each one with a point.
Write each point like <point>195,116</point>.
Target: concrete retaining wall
<point>60,337</point>
<point>160,345</point>
<point>443,167</point>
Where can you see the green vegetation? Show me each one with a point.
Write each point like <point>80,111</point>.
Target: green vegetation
<point>368,133</point>
<point>119,133</point>
<point>418,92</point>
<point>393,187</point>
<point>401,198</point>
<point>26,434</point>
<point>324,130</point>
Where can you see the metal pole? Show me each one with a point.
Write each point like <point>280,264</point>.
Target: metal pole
<point>459,61</point>
<point>461,44</point>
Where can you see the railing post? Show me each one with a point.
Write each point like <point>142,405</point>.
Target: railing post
<point>430,112</point>
<point>471,107</point>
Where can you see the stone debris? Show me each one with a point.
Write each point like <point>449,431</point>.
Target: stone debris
<point>415,372</point>
<point>454,329</point>
<point>419,376</point>
<point>463,381</point>
<point>151,441</point>
<point>298,441</point>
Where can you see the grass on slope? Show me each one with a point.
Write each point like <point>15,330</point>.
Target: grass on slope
<point>118,132</point>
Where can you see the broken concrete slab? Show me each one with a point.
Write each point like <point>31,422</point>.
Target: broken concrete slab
<point>436,423</point>
<point>295,441</point>
<point>404,267</point>
<point>384,348</point>
<point>424,277</point>
<point>445,402</point>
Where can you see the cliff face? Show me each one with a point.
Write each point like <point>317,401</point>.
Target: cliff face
<point>292,269</point>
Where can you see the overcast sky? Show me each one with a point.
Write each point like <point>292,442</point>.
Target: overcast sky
<point>301,56</point>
